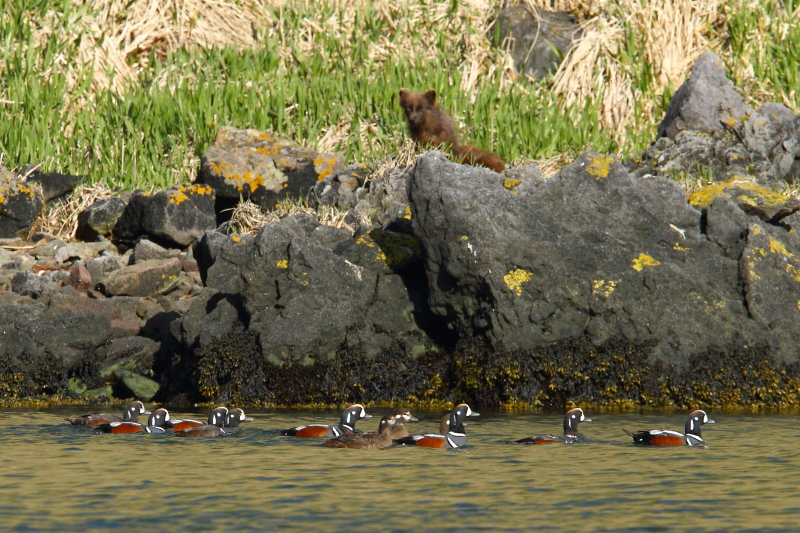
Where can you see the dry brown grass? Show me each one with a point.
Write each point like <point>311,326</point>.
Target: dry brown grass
<point>248,217</point>
<point>61,220</point>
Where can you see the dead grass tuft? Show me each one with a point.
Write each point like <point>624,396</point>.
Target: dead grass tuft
<point>248,217</point>
<point>61,220</point>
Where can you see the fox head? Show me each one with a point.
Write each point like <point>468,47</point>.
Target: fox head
<point>415,105</point>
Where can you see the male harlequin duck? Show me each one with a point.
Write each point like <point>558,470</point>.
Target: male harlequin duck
<point>377,441</point>
<point>130,414</point>
<point>215,418</point>
<point>231,425</point>
<point>571,421</point>
<point>402,415</point>
<point>347,424</point>
<point>665,437</point>
<point>453,438</point>
<point>155,424</point>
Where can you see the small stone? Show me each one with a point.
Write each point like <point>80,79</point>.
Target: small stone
<point>80,278</point>
<point>189,265</point>
<point>29,284</point>
<point>48,249</point>
<point>102,266</point>
<point>146,250</point>
<point>142,279</point>
<point>139,386</point>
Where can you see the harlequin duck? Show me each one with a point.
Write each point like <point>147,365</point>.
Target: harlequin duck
<point>453,438</point>
<point>378,441</point>
<point>402,415</point>
<point>231,425</point>
<point>155,424</point>
<point>215,418</point>
<point>571,421</point>
<point>130,414</point>
<point>665,437</point>
<point>346,425</point>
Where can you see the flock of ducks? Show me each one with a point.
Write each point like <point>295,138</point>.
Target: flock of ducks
<point>391,429</point>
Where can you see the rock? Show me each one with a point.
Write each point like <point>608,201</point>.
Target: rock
<point>254,165</point>
<point>303,289</point>
<point>591,251</point>
<point>55,186</point>
<point>30,284</point>
<point>146,250</point>
<point>99,219</point>
<point>142,279</point>
<point>80,278</point>
<point>176,216</point>
<point>537,44</point>
<point>763,145</point>
<point>98,268</point>
<point>751,198</point>
<point>131,354</point>
<point>189,265</point>
<point>20,205</point>
<point>704,101</point>
<point>38,352</point>
<point>117,308</point>
<point>135,385</point>
<point>48,249</point>
<point>82,251</point>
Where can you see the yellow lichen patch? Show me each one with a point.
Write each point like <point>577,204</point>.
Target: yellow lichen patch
<point>407,212</point>
<point>793,271</point>
<point>599,165</point>
<point>381,257</point>
<point>26,190</point>
<point>362,240</point>
<point>642,261</point>
<point>268,150</point>
<point>324,166</point>
<point>515,278</point>
<point>235,238</point>
<point>756,230</point>
<point>756,194</point>
<point>177,198</point>
<point>464,238</point>
<point>396,248</point>
<point>508,183</point>
<point>603,287</point>
<point>283,263</point>
<point>777,248</point>
<point>728,121</point>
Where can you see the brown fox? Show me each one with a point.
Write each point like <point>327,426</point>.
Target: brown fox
<point>429,125</point>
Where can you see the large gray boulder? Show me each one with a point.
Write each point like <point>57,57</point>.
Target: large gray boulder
<point>304,290</point>
<point>704,101</point>
<point>594,251</point>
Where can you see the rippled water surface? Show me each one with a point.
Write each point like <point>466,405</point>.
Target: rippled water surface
<point>56,477</point>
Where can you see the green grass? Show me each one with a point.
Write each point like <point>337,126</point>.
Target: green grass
<point>151,135</point>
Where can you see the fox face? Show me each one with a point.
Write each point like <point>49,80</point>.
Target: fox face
<point>416,105</point>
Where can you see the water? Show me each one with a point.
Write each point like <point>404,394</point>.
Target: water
<point>56,477</point>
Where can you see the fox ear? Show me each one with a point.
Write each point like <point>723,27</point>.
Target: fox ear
<point>430,96</point>
<point>403,95</point>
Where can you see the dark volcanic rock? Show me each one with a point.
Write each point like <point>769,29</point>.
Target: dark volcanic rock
<point>20,204</point>
<point>254,165</point>
<point>99,218</point>
<point>537,44</point>
<point>176,216</point>
<point>29,284</point>
<point>593,251</point>
<point>704,101</point>
<point>303,289</point>
<point>55,186</point>
<point>38,352</point>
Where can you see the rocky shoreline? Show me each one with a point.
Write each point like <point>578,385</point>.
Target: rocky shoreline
<point>602,285</point>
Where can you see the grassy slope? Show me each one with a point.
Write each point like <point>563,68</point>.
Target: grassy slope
<point>301,83</point>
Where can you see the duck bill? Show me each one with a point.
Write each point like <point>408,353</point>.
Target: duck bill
<point>473,413</point>
<point>413,419</point>
<point>247,419</point>
<point>710,422</point>
<point>586,420</point>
